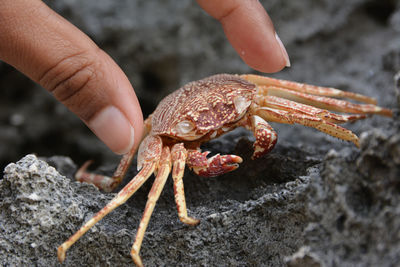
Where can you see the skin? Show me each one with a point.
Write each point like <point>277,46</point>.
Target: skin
<point>61,58</point>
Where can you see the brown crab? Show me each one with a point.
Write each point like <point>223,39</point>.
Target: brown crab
<point>206,109</point>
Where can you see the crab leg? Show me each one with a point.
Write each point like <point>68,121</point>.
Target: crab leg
<point>262,81</point>
<point>103,182</point>
<point>149,155</point>
<point>179,155</point>
<point>291,106</point>
<point>118,200</point>
<point>266,137</point>
<point>158,185</point>
<point>325,102</point>
<point>283,116</point>
<point>211,167</point>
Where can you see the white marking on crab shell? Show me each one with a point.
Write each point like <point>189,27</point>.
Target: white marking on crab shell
<point>226,129</point>
<point>241,104</point>
<point>184,127</point>
<point>213,135</point>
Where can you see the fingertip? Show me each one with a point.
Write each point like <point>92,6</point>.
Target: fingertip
<point>256,42</point>
<point>251,33</point>
<point>266,56</point>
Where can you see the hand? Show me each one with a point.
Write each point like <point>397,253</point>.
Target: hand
<point>62,59</point>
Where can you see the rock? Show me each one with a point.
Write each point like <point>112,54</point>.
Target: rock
<point>38,206</point>
<point>397,86</point>
<point>41,208</point>
<point>288,208</point>
<point>353,205</point>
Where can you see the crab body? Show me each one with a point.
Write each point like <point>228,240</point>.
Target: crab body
<point>201,108</point>
<point>206,109</point>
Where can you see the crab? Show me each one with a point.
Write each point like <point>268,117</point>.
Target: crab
<point>206,109</point>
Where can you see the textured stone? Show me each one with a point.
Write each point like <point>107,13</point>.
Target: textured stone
<point>353,206</point>
<point>41,208</point>
<point>37,206</point>
<point>397,85</point>
<point>287,207</point>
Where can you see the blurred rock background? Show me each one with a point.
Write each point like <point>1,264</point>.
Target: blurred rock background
<point>353,45</point>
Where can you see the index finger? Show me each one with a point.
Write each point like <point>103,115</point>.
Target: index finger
<point>250,31</point>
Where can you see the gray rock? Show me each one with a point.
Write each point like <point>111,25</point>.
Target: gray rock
<point>286,208</point>
<point>37,205</point>
<point>40,208</point>
<point>397,85</point>
<point>353,205</point>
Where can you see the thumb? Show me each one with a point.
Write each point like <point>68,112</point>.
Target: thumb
<point>66,62</point>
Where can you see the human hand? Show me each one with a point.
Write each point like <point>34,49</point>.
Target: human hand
<point>62,59</point>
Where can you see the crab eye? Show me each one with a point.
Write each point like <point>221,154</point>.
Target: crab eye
<point>241,104</point>
<point>184,127</point>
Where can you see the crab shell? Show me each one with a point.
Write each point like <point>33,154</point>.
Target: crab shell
<point>199,109</point>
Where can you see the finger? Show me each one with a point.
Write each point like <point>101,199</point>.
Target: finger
<point>66,62</point>
<point>251,32</point>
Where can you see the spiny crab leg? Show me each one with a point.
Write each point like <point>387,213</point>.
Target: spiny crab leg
<point>325,102</point>
<point>154,194</point>
<point>306,88</point>
<point>283,116</point>
<point>179,155</point>
<point>291,106</point>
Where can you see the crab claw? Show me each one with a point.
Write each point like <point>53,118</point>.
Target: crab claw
<point>213,166</point>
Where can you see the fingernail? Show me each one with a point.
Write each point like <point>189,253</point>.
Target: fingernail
<point>114,129</point>
<point>283,49</point>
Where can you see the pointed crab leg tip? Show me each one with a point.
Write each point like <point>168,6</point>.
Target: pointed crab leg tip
<point>385,112</point>
<point>136,259</point>
<point>190,221</point>
<point>61,254</point>
<point>357,144</point>
<point>88,162</point>
<point>83,168</point>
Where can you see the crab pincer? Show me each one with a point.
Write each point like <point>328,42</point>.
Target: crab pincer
<point>213,166</point>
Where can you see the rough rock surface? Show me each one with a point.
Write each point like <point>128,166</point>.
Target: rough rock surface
<point>353,207</point>
<point>40,209</point>
<point>314,201</point>
<point>286,208</point>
